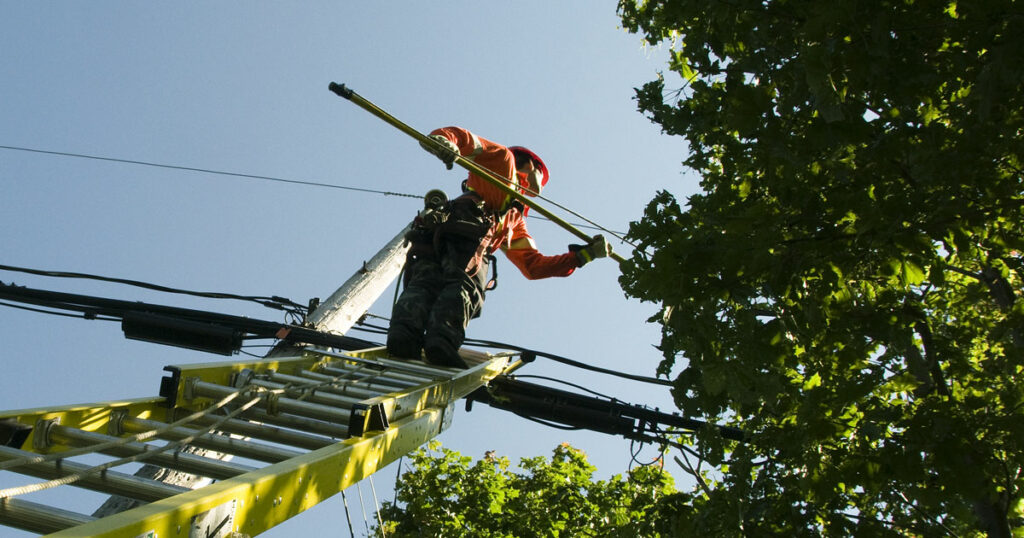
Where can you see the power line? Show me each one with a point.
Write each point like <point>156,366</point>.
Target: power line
<point>279,303</point>
<point>271,178</point>
<point>209,171</point>
<point>376,329</point>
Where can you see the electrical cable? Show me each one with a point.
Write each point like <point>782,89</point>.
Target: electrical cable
<point>594,226</point>
<point>547,423</point>
<point>270,178</point>
<point>209,171</point>
<point>63,314</point>
<point>278,303</point>
<point>570,362</point>
<point>634,453</point>
<point>563,360</point>
<point>564,382</point>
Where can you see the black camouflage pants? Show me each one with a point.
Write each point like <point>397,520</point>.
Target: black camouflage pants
<point>442,293</point>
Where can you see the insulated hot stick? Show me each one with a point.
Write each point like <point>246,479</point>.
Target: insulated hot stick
<point>488,175</point>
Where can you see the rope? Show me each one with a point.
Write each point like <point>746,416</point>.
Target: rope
<point>10,464</point>
<point>376,504</point>
<point>31,488</point>
<point>362,507</point>
<point>348,516</point>
<point>90,449</point>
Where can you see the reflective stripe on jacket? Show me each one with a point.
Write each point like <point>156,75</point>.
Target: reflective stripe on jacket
<point>511,234</point>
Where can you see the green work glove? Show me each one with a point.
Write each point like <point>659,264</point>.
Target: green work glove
<point>597,248</point>
<point>444,149</point>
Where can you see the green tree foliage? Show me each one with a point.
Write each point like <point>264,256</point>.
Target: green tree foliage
<point>445,494</point>
<point>846,287</point>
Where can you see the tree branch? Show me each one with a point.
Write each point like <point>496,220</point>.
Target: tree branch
<point>689,468</point>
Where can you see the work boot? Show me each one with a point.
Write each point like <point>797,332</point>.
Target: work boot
<point>404,346</point>
<point>440,352</point>
<point>404,350</point>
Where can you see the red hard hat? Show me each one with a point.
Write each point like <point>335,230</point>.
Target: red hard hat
<point>543,168</point>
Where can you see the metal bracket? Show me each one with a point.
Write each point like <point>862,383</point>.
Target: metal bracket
<point>366,418</point>
<point>169,386</point>
<point>41,440</point>
<point>216,522</point>
<point>115,425</point>
<point>13,433</point>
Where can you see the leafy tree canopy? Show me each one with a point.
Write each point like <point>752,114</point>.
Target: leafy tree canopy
<point>445,494</point>
<point>847,285</point>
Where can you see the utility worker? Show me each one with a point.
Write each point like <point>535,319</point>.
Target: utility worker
<point>446,272</point>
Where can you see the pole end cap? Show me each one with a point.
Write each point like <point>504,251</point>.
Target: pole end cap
<point>340,90</point>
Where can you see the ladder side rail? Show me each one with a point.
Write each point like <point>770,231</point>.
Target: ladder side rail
<point>278,492</point>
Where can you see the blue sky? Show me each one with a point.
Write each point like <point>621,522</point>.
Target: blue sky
<point>242,87</point>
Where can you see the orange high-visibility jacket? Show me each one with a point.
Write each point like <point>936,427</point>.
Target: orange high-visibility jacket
<point>511,235</point>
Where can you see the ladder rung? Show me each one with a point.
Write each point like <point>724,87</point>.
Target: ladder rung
<point>368,385</point>
<point>418,368</point>
<point>39,518</point>
<point>336,431</point>
<point>286,405</point>
<point>267,432</point>
<point>385,381</point>
<point>179,461</point>
<point>341,387</point>
<point>114,482</point>
<point>220,443</point>
<point>415,372</point>
<point>313,396</point>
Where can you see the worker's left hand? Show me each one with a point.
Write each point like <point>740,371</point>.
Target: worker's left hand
<point>598,247</point>
<point>444,149</point>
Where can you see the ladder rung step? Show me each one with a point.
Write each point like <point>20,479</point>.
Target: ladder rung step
<point>113,482</point>
<point>39,518</point>
<point>340,387</point>
<point>418,368</point>
<point>312,396</point>
<point>385,380</point>
<point>415,371</point>
<point>370,379</point>
<point>286,405</point>
<point>179,461</point>
<point>220,443</point>
<point>312,425</point>
<point>271,433</point>
<point>371,386</point>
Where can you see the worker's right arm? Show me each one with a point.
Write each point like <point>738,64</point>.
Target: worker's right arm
<point>490,155</point>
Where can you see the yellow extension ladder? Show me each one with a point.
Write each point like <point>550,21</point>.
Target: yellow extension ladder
<point>299,429</point>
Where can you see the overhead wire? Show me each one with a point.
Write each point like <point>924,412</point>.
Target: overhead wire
<point>53,313</point>
<point>276,302</point>
<point>363,326</point>
<point>592,225</point>
<point>209,171</point>
<point>564,382</point>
